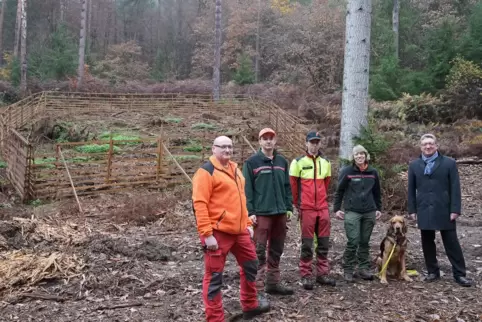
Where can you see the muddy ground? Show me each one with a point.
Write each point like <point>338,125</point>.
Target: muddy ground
<point>136,257</point>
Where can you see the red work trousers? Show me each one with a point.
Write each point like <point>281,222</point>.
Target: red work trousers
<point>242,247</point>
<point>314,222</point>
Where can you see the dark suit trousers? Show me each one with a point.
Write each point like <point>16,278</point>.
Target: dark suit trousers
<point>452,249</point>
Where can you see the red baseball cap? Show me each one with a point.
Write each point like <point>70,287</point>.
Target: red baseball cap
<point>266,130</point>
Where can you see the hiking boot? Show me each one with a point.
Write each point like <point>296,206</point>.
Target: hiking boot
<point>263,307</point>
<point>278,289</point>
<point>348,277</point>
<point>366,275</point>
<point>307,283</point>
<point>325,280</point>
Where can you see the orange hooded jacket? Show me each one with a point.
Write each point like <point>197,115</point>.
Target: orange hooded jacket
<point>218,198</point>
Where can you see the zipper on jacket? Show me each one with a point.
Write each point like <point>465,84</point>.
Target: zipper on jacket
<point>314,179</point>
<point>221,218</point>
<point>274,186</point>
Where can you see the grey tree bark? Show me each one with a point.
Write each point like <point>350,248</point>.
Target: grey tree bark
<point>217,52</point>
<point>2,16</point>
<point>396,22</point>
<point>355,73</point>
<point>18,26</point>
<point>23,48</point>
<point>82,44</point>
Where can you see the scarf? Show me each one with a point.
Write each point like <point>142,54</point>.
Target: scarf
<point>429,163</point>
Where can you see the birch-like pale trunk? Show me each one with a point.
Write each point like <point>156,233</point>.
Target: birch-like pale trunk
<point>2,16</point>
<point>258,27</point>
<point>23,49</point>
<point>82,44</point>
<point>217,52</point>
<point>18,25</point>
<point>62,11</point>
<point>355,73</point>
<point>396,22</point>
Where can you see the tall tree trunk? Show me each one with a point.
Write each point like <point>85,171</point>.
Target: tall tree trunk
<point>258,27</point>
<point>2,16</point>
<point>217,52</point>
<point>23,49</point>
<point>396,21</point>
<point>82,44</point>
<point>62,11</point>
<point>355,74</point>
<point>88,34</point>
<point>18,26</point>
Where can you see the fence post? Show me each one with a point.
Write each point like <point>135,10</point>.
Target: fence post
<point>159,157</point>
<point>109,159</point>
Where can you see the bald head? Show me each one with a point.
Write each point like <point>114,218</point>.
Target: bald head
<point>223,149</point>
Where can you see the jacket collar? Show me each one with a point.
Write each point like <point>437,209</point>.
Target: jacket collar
<point>260,153</point>
<point>220,167</point>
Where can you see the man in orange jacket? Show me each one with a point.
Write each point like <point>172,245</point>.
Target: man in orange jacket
<point>219,203</point>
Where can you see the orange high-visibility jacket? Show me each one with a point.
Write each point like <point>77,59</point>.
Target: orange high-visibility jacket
<point>218,198</point>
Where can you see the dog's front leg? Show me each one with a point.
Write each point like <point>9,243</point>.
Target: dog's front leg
<point>403,272</point>
<point>383,276</point>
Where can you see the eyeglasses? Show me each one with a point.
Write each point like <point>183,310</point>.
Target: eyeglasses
<point>224,147</point>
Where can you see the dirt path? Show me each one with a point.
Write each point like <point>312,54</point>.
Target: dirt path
<point>151,269</point>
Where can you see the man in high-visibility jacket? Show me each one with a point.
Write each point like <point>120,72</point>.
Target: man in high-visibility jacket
<point>309,177</point>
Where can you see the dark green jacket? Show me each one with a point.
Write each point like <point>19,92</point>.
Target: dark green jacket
<point>268,190</point>
<point>360,190</point>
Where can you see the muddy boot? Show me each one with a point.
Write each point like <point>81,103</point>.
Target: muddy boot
<point>325,280</point>
<point>263,307</point>
<point>348,277</point>
<point>307,283</point>
<point>278,289</point>
<point>366,275</point>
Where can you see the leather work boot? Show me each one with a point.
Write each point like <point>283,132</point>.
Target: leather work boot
<point>463,281</point>
<point>263,307</point>
<point>278,289</point>
<point>307,283</point>
<point>432,277</point>
<point>325,280</point>
<point>348,277</point>
<point>366,275</point>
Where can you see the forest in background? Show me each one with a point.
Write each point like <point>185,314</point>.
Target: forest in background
<point>301,43</point>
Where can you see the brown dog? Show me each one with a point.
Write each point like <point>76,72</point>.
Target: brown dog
<point>395,236</point>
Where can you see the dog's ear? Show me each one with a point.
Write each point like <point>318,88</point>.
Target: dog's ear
<point>404,226</point>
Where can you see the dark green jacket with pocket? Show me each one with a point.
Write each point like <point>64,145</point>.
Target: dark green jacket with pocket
<point>268,190</point>
<point>360,190</point>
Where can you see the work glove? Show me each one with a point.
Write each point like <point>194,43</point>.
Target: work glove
<point>251,232</point>
<point>211,243</point>
<point>289,214</point>
<point>253,219</point>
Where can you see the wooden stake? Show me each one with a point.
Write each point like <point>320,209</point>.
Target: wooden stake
<point>109,159</point>
<point>249,143</point>
<point>70,178</point>
<point>177,163</point>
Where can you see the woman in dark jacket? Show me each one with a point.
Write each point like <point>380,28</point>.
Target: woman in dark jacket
<point>359,188</point>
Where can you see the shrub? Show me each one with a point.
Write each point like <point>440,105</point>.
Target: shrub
<point>244,72</point>
<point>424,108</point>
<point>203,126</point>
<point>95,148</point>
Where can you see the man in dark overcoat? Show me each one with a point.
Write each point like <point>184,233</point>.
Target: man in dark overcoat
<point>434,198</point>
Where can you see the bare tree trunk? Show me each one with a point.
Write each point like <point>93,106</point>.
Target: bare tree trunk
<point>2,16</point>
<point>356,73</point>
<point>89,24</point>
<point>217,52</point>
<point>18,26</point>
<point>396,21</point>
<point>62,11</point>
<point>258,27</point>
<point>82,44</point>
<point>23,49</point>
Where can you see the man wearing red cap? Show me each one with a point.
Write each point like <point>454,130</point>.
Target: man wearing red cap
<point>269,201</point>
<point>310,176</point>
